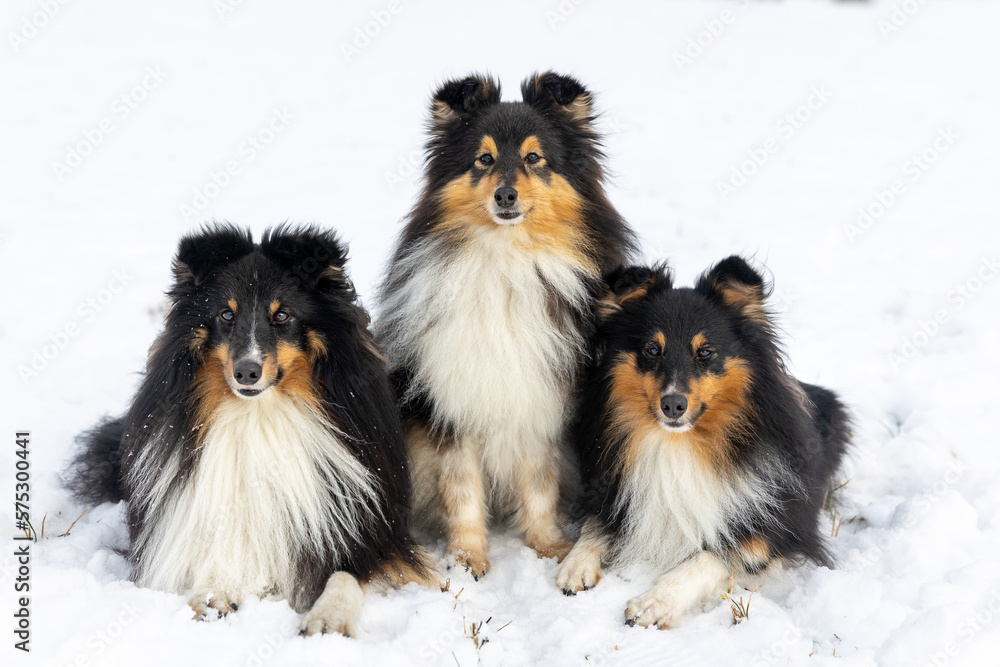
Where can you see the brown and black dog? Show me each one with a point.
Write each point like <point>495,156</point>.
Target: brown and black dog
<point>487,305</point>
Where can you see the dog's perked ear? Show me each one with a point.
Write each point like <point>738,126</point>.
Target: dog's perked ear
<point>556,93</point>
<point>462,99</point>
<point>738,285</point>
<point>314,257</point>
<point>201,253</point>
<point>628,284</point>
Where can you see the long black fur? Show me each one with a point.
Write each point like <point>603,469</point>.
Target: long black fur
<point>798,428</point>
<point>306,263</point>
<point>95,473</point>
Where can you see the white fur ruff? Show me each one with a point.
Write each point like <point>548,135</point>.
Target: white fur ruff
<point>477,328</point>
<point>678,505</point>
<point>271,481</point>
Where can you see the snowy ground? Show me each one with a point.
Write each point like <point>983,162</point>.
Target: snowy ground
<point>118,117</point>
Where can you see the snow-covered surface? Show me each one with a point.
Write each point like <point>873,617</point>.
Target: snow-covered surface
<point>919,582</point>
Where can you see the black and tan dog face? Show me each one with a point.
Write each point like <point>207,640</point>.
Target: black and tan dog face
<point>511,163</point>
<point>677,358</point>
<point>258,307</point>
<point>258,337</point>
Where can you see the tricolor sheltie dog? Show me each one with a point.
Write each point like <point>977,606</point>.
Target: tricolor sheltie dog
<point>262,454</point>
<point>486,308</point>
<point>701,455</point>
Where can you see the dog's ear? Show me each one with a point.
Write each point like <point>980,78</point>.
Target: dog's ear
<point>628,284</point>
<point>462,99</point>
<point>203,252</point>
<point>314,257</point>
<point>738,285</point>
<point>555,93</point>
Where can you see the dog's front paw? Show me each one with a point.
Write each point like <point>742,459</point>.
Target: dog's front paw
<point>579,572</point>
<point>210,605</point>
<point>473,560</point>
<point>337,609</point>
<point>329,620</point>
<point>656,607</point>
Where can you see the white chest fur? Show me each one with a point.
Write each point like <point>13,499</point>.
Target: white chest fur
<point>271,482</point>
<point>480,333</point>
<point>678,504</point>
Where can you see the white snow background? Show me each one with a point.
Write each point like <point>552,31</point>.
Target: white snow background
<point>887,107</point>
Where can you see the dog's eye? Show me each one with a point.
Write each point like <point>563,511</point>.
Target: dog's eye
<point>227,315</point>
<point>652,350</point>
<point>704,353</point>
<point>486,159</point>
<point>281,316</point>
<point>532,158</point>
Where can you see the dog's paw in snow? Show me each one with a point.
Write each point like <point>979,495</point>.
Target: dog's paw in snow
<point>580,571</point>
<point>471,557</point>
<point>337,609</point>
<point>657,607</point>
<point>582,568</point>
<point>210,605</point>
<point>678,591</point>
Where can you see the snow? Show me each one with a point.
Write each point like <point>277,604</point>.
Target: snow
<point>877,86</point>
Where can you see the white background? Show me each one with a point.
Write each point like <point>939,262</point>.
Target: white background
<point>918,565</point>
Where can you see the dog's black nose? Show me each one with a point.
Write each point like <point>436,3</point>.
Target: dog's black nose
<point>247,372</point>
<point>674,405</point>
<point>505,196</point>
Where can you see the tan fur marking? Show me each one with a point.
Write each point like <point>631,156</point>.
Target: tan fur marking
<point>232,305</point>
<point>396,573</point>
<point>632,412</point>
<point>487,145</point>
<point>210,388</point>
<point>273,308</point>
<point>531,145</point>
<point>749,299</point>
<point>465,203</point>
<point>634,405</point>
<point>198,339</point>
<point>297,378</point>
<point>660,339</point>
<point>612,303</point>
<point>441,114</point>
<point>725,396</point>
<point>581,109</point>
<point>755,551</point>
<point>552,214</point>
<point>332,272</point>
<point>317,345</point>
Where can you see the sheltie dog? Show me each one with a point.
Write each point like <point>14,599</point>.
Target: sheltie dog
<point>701,455</point>
<point>263,452</point>
<point>486,308</point>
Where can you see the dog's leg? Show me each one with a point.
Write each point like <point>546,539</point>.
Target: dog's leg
<point>337,609</point>
<point>537,507</point>
<point>678,591</point>
<point>463,498</point>
<point>581,570</point>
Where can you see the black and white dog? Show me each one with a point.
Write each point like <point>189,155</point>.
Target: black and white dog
<point>263,452</point>
<point>702,456</point>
